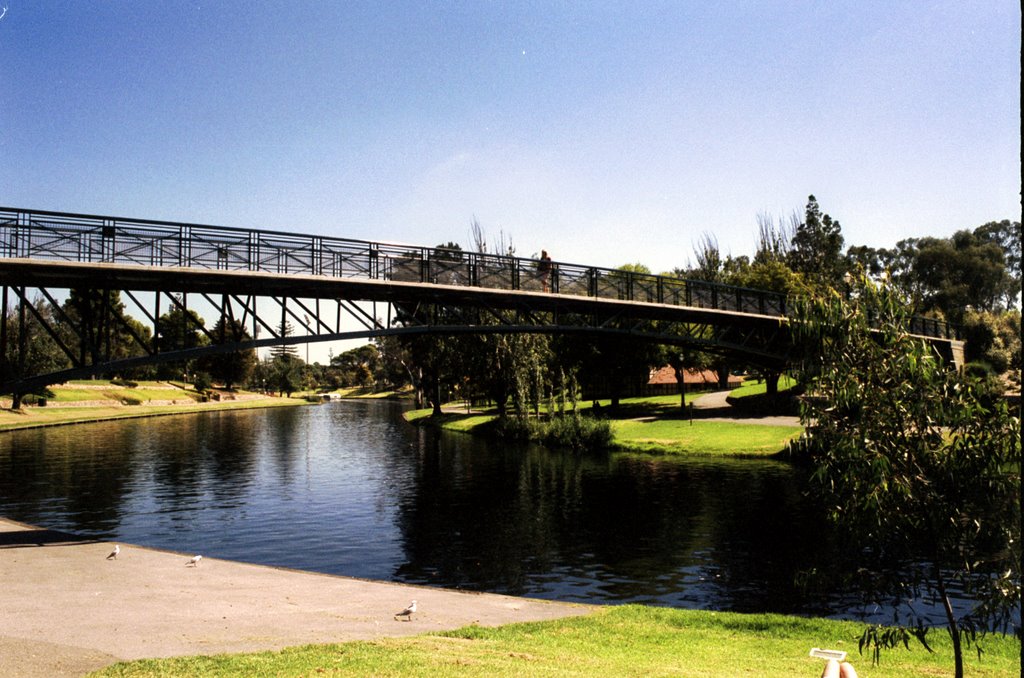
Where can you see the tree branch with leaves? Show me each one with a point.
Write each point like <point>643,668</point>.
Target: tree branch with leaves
<point>920,473</point>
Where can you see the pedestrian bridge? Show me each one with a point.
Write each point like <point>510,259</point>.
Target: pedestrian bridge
<point>333,289</point>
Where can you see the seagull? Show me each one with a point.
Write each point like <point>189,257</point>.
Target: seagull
<point>194,561</point>
<point>113,554</point>
<point>407,612</point>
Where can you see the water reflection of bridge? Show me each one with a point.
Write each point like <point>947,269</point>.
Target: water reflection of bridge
<point>260,278</point>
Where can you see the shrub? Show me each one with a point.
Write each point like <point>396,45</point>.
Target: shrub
<point>570,430</point>
<point>576,432</point>
<point>202,381</point>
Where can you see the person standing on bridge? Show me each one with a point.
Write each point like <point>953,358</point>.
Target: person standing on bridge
<point>544,268</point>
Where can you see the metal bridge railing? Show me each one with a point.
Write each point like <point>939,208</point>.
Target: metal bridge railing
<point>84,238</point>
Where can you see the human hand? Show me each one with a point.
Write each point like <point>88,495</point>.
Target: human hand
<point>834,669</point>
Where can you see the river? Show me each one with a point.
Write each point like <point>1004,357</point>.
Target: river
<point>350,488</point>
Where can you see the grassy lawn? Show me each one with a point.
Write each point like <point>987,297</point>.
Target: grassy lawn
<point>79,392</point>
<point>619,641</point>
<point>720,438</point>
<point>755,387</point>
<point>83,391</point>
<point>655,425</point>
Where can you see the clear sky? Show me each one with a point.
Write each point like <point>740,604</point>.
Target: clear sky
<point>605,132</point>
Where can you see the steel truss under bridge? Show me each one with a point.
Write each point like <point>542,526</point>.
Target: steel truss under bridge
<point>332,289</point>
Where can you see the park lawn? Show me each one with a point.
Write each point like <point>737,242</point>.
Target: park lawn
<point>756,387</point>
<point>654,425</point>
<point>98,389</point>
<point>31,417</point>
<point>629,640</point>
<point>719,438</point>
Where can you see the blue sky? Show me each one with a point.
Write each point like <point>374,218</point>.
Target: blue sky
<point>605,132</point>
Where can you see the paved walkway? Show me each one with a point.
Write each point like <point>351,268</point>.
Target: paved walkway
<point>66,609</point>
<point>714,407</point>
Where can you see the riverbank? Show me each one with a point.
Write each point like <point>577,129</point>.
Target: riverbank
<point>709,426</point>
<point>68,609</point>
<point>78,403</point>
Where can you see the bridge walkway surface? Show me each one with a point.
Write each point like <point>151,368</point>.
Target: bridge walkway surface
<point>68,610</point>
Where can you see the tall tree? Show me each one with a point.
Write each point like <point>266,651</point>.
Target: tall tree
<point>775,237</point>
<point>179,329</point>
<point>284,374</point>
<point>30,349</point>
<point>920,474</point>
<point>1007,235</point>
<point>94,324</point>
<point>358,366</point>
<point>284,330</point>
<point>816,248</point>
<point>961,272</point>
<point>396,369</point>
<point>707,260</point>
<point>233,367</point>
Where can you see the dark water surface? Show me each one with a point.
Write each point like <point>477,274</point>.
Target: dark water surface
<point>349,488</point>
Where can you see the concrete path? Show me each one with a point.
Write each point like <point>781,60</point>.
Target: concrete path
<point>66,609</point>
<point>714,407</point>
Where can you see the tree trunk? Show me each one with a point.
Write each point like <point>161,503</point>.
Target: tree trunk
<point>954,632</point>
<point>437,398</point>
<point>771,382</point>
<point>681,381</point>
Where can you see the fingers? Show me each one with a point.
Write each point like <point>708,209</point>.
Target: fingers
<point>831,669</point>
<point>846,670</point>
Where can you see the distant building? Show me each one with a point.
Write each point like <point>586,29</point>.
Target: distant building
<point>659,382</point>
<point>663,381</point>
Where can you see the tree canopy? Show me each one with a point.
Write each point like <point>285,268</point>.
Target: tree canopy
<point>917,469</point>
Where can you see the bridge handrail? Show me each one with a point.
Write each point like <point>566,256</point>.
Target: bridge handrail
<point>65,236</point>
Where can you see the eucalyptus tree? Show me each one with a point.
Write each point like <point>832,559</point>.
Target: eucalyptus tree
<point>961,272</point>
<point>919,472</point>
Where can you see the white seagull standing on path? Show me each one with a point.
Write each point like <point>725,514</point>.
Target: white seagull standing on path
<point>407,612</point>
<point>113,554</point>
<point>194,561</point>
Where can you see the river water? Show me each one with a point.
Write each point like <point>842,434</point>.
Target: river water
<point>350,488</point>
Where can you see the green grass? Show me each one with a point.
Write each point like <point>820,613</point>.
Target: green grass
<point>756,387</point>
<point>32,417</point>
<point>654,425</point>
<point>719,438</point>
<point>89,390</point>
<point>617,641</point>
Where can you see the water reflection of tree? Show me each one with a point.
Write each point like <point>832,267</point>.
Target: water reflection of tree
<point>73,478</point>
<point>530,521</point>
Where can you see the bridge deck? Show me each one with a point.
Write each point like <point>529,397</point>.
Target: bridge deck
<point>60,274</point>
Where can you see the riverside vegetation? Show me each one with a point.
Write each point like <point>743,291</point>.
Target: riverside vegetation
<point>651,425</point>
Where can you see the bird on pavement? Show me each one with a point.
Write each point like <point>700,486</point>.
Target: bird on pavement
<point>113,554</point>
<point>407,612</point>
<point>194,561</point>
